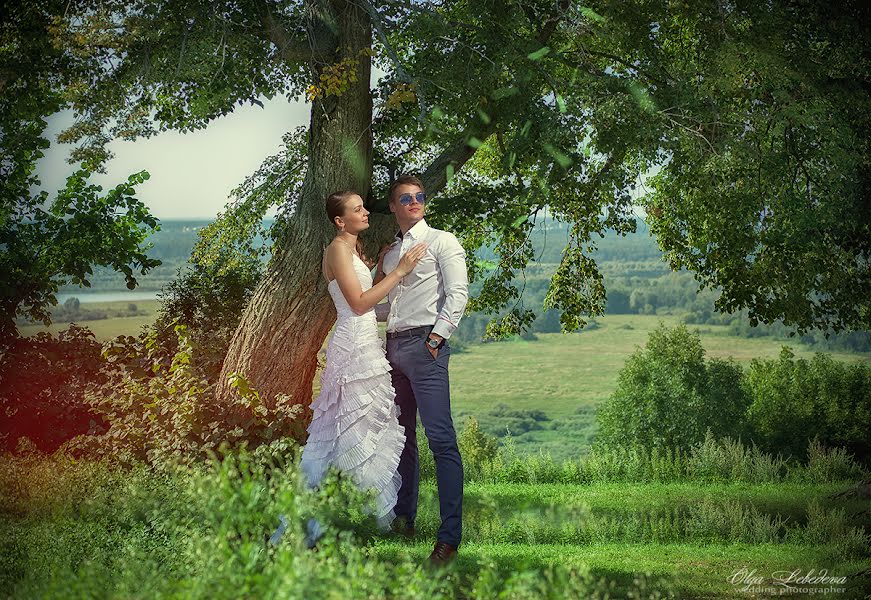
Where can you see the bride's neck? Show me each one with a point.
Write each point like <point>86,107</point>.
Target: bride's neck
<point>348,238</point>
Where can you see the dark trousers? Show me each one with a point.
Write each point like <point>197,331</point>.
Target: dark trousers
<point>421,383</point>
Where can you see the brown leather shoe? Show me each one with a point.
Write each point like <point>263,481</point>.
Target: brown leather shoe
<point>442,554</point>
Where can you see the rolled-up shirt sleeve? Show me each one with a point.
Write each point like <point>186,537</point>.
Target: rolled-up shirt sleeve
<point>452,264</point>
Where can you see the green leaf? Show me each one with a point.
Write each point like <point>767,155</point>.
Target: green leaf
<point>539,54</point>
<point>487,265</point>
<point>474,142</point>
<point>563,160</point>
<point>561,103</point>
<point>526,127</point>
<point>449,172</point>
<point>519,221</point>
<point>592,15</point>
<point>504,92</point>
<point>642,96</point>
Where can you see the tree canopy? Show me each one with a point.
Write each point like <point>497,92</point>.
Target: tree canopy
<point>754,113</point>
<point>47,242</point>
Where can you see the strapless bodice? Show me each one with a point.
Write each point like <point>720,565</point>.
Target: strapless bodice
<point>364,276</point>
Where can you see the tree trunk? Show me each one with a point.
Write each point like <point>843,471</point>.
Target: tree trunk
<point>287,319</point>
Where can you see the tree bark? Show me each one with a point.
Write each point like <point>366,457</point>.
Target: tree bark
<point>287,319</point>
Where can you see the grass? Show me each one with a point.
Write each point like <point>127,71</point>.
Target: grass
<point>621,531</point>
<point>687,570</point>
<point>636,512</point>
<point>560,373</point>
<point>78,529</point>
<point>106,329</point>
<point>783,498</point>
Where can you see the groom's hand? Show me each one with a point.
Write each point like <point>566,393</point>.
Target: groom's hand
<point>434,351</point>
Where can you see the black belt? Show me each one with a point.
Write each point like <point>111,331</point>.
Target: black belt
<point>414,331</point>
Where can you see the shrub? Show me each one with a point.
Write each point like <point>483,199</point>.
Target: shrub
<point>154,410</point>
<point>795,400</point>
<point>72,305</point>
<point>667,396</point>
<point>729,460</point>
<point>480,452</point>
<point>42,384</point>
<point>458,345</point>
<point>710,460</point>
<point>726,399</point>
<point>827,464</point>
<point>547,322</point>
<point>830,526</point>
<point>208,299</point>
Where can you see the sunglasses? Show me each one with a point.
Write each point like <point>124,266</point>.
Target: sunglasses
<point>405,199</point>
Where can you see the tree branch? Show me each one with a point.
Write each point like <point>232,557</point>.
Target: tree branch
<point>394,57</point>
<point>549,26</point>
<point>457,154</point>
<point>292,48</point>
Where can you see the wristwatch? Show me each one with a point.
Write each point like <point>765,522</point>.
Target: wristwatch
<point>433,343</point>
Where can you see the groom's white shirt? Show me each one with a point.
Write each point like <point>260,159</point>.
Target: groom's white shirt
<point>436,292</point>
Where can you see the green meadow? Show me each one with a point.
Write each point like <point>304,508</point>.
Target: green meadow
<point>563,377</point>
<point>561,373</point>
<point>690,538</point>
<point>566,376</point>
<point>108,328</point>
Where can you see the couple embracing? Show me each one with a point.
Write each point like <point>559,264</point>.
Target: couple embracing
<point>364,419</point>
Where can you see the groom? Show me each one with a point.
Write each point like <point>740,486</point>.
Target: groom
<point>421,313</point>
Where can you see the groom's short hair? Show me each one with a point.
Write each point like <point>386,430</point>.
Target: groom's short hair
<point>403,180</point>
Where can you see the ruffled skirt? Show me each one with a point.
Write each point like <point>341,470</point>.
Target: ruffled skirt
<point>355,422</point>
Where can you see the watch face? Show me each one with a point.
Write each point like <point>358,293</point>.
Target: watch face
<point>432,343</point>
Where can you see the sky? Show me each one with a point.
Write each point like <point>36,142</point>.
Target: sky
<point>191,173</point>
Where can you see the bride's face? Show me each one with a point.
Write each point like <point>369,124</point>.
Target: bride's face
<point>356,217</point>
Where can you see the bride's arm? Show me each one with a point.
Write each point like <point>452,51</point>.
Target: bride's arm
<point>341,264</point>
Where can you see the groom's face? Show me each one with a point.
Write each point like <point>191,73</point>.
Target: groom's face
<point>410,213</point>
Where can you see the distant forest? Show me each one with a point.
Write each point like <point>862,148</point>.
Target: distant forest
<point>637,281</point>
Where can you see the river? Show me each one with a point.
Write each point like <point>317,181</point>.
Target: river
<point>131,295</point>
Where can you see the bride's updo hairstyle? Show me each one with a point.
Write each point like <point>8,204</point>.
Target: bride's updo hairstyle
<point>336,208</point>
<point>336,204</point>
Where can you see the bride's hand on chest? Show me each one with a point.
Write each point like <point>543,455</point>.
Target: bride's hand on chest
<point>425,265</point>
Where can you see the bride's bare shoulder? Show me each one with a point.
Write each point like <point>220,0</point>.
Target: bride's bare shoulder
<point>331,258</point>
<point>338,254</point>
<point>333,249</point>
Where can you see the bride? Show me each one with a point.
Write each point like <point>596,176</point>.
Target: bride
<point>355,425</point>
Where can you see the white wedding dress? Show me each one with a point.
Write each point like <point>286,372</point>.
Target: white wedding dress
<point>355,425</point>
